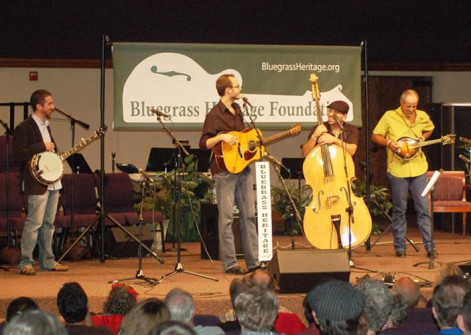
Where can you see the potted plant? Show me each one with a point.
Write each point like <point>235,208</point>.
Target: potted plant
<point>195,187</point>
<point>282,204</point>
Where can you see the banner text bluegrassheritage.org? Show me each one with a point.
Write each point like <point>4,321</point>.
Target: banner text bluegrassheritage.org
<point>266,66</point>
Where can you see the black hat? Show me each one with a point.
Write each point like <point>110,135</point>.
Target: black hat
<point>336,300</point>
<point>339,106</point>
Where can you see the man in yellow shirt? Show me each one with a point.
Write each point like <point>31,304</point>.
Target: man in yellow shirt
<point>406,174</point>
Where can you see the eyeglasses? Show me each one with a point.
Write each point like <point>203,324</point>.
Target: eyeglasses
<point>237,86</point>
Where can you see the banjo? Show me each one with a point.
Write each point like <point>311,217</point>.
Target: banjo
<point>47,167</point>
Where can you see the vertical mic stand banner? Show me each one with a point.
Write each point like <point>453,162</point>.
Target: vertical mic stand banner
<point>179,80</point>
<point>265,238</point>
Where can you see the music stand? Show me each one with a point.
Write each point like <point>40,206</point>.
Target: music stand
<point>160,159</point>
<point>202,157</point>
<point>78,164</point>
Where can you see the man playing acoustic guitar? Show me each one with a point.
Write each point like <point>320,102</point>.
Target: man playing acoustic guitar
<point>231,188</point>
<point>406,174</point>
<point>33,136</point>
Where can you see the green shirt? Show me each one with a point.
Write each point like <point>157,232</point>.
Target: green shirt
<point>394,125</point>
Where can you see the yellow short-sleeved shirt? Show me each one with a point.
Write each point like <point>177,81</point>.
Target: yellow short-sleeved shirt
<point>394,125</point>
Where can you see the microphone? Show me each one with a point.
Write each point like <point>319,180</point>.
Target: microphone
<point>146,176</point>
<point>8,130</point>
<point>276,161</point>
<point>339,123</point>
<point>464,159</point>
<point>159,113</point>
<point>246,101</point>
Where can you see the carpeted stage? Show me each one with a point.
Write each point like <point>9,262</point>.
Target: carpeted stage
<point>212,296</point>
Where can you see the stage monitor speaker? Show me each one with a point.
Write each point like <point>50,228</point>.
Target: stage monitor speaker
<point>297,271</point>
<point>119,244</point>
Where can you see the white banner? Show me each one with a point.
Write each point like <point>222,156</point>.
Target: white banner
<point>265,250</point>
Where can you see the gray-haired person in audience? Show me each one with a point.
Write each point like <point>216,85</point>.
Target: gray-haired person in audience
<point>464,318</point>
<point>448,297</point>
<point>144,317</point>
<point>336,307</point>
<point>182,308</point>
<point>35,322</point>
<point>256,309</point>
<point>378,304</point>
<point>172,328</point>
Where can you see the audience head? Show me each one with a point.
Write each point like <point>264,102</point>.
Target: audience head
<point>72,302</point>
<point>409,289</point>
<point>378,303</point>
<point>120,300</point>
<point>398,312</point>
<point>336,307</point>
<point>144,317</point>
<point>464,319</point>
<point>180,305</point>
<point>448,299</point>
<point>19,306</point>
<point>262,278</point>
<point>256,309</point>
<point>35,322</point>
<point>172,328</point>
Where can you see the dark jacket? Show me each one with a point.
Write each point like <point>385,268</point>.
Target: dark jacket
<point>27,142</point>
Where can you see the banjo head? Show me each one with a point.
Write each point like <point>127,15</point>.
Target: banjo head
<point>46,167</point>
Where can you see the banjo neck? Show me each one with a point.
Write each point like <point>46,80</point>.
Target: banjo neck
<point>83,144</point>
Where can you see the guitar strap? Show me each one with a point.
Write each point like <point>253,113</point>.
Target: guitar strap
<point>408,125</point>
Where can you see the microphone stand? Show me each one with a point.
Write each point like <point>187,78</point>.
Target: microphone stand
<point>297,214</point>
<point>8,132</point>
<point>177,217</point>
<point>348,191</point>
<point>84,125</point>
<point>140,273</point>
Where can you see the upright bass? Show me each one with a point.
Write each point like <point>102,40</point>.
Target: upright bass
<point>326,219</point>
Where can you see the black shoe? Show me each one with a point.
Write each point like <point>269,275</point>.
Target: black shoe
<point>401,254</point>
<point>236,270</point>
<point>435,254</point>
<point>262,266</point>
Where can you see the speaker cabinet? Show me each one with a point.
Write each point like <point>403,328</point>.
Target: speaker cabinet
<point>119,244</point>
<point>297,271</point>
<point>210,233</point>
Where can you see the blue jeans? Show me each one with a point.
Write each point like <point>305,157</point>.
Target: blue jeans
<point>39,228</point>
<point>400,188</point>
<point>236,189</point>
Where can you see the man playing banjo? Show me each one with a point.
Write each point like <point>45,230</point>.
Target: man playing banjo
<point>32,137</point>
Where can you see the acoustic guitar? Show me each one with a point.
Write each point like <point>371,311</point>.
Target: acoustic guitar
<point>409,147</point>
<point>249,147</point>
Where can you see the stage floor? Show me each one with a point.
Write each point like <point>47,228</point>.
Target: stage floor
<point>212,296</point>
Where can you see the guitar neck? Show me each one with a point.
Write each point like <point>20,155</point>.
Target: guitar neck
<point>78,147</point>
<point>277,137</point>
<point>425,143</point>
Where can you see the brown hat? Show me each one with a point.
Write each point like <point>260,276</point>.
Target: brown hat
<point>339,106</point>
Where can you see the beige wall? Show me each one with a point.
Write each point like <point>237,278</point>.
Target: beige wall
<point>77,92</point>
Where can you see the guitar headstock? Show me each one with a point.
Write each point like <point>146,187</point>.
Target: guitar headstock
<point>295,129</point>
<point>448,139</point>
<point>316,94</point>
